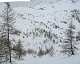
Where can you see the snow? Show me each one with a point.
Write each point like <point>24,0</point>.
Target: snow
<point>51,60</point>
<point>52,13</point>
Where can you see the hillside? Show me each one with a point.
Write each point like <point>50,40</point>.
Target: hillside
<point>43,25</point>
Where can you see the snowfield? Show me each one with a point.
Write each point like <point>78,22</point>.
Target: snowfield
<point>51,60</point>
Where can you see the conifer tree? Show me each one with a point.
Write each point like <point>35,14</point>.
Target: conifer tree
<point>69,41</point>
<point>7,27</point>
<point>19,51</point>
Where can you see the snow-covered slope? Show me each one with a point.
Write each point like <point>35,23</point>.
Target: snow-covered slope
<point>45,14</point>
<point>51,16</point>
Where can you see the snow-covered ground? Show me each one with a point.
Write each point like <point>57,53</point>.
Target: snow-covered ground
<point>51,60</point>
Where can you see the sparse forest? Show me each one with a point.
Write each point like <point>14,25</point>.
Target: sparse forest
<point>6,44</point>
<point>37,31</point>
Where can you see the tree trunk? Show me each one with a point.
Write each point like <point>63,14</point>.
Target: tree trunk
<point>9,44</point>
